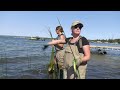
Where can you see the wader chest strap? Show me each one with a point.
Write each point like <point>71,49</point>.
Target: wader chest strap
<point>80,41</point>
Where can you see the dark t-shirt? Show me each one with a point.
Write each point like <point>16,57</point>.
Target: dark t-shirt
<point>84,42</point>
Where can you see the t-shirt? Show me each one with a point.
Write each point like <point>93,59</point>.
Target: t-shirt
<point>84,42</point>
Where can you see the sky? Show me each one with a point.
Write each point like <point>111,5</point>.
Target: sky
<point>97,24</point>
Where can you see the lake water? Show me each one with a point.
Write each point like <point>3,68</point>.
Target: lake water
<point>21,58</point>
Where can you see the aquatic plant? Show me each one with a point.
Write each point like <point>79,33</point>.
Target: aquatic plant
<point>51,66</point>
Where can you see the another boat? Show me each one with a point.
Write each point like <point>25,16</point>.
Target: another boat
<point>34,38</point>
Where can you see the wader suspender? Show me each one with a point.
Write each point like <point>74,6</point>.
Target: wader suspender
<point>80,45</point>
<point>80,41</point>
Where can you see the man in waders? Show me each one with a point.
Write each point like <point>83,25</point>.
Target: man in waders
<point>59,52</point>
<point>77,50</point>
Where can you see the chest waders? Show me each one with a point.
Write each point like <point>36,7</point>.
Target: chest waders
<point>72,58</point>
<point>59,62</point>
<point>59,59</point>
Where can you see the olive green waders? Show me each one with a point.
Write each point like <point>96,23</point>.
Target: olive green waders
<point>60,57</point>
<point>68,63</point>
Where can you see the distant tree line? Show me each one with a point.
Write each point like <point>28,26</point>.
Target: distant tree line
<point>106,40</point>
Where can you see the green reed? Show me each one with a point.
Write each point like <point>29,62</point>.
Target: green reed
<point>51,66</point>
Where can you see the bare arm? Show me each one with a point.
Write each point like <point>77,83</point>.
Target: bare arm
<point>86,50</point>
<point>62,37</point>
<point>54,42</point>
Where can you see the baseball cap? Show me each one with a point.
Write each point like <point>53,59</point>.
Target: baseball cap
<point>75,23</point>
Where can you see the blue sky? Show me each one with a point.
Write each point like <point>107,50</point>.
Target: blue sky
<point>97,24</point>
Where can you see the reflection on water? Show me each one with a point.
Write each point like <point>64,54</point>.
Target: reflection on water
<point>21,58</point>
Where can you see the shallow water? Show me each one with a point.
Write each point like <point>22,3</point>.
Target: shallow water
<point>21,58</point>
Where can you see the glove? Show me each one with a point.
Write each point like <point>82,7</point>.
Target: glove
<point>45,47</point>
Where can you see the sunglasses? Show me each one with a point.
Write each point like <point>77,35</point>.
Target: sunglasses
<point>78,26</point>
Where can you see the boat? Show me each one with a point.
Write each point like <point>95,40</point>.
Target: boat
<point>34,38</point>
